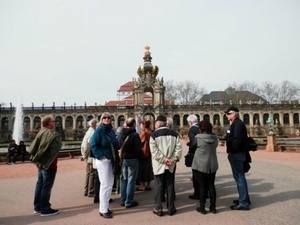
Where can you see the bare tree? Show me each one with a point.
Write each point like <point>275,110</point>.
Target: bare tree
<point>288,91</point>
<point>247,86</point>
<point>183,93</point>
<point>170,92</point>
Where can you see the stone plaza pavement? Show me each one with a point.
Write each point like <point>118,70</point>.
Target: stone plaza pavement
<point>273,181</point>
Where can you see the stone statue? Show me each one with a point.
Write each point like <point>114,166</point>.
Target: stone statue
<point>271,124</point>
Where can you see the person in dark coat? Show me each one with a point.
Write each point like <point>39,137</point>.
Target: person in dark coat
<point>237,148</point>
<point>193,131</point>
<point>130,156</point>
<point>12,152</point>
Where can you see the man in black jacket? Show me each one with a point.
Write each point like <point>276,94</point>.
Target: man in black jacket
<point>236,142</point>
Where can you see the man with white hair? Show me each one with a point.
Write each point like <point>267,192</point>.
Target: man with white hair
<point>86,155</point>
<point>193,131</point>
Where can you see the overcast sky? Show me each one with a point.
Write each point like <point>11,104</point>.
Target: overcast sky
<point>78,51</point>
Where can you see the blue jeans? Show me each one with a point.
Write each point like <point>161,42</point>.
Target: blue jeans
<point>237,166</point>
<point>43,189</point>
<point>129,174</point>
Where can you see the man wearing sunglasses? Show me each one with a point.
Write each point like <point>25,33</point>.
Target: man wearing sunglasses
<point>236,143</point>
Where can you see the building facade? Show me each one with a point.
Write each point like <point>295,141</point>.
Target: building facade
<point>71,121</point>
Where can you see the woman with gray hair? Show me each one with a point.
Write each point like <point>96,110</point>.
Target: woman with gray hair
<point>103,138</point>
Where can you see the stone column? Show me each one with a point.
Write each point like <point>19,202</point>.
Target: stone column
<point>271,143</point>
<point>280,118</point>
<point>64,122</point>
<point>84,122</point>
<point>291,119</point>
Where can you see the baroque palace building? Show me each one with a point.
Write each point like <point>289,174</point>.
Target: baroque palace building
<point>143,98</point>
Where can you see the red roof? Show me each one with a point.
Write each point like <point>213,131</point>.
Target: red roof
<point>126,87</point>
<point>129,101</point>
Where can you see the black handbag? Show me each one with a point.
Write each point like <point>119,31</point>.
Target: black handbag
<point>188,160</point>
<point>252,145</point>
<point>116,166</point>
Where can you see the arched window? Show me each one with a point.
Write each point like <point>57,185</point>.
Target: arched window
<point>216,119</point>
<point>26,123</point>
<point>206,117</point>
<point>69,122</point>
<point>79,122</point>
<point>226,121</point>
<point>89,118</point>
<point>256,119</point>
<point>286,118</point>
<point>37,123</point>
<point>185,122</point>
<point>198,117</point>
<point>276,118</point>
<point>176,120</point>
<point>265,118</point>
<point>296,118</point>
<point>4,123</point>
<point>121,121</point>
<point>246,119</point>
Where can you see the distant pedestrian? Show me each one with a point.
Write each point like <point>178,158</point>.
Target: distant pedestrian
<point>12,152</point>
<point>236,142</point>
<point>22,150</point>
<point>166,150</point>
<point>44,152</point>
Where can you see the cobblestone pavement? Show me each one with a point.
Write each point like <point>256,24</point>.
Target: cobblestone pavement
<point>273,185</point>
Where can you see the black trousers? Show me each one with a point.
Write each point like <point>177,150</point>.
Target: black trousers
<point>206,183</point>
<point>164,183</point>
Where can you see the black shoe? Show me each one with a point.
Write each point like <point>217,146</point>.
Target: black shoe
<point>133,204</point>
<point>85,194</point>
<point>239,207</point>
<point>194,197</point>
<point>122,204</point>
<point>109,211</point>
<point>110,200</point>
<point>237,202</point>
<point>50,212</point>
<point>158,212</point>
<point>96,200</point>
<point>171,213</point>
<point>201,210</point>
<point>106,215</point>
<point>213,210</point>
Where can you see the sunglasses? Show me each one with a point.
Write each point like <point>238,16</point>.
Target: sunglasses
<point>228,114</point>
<point>105,117</point>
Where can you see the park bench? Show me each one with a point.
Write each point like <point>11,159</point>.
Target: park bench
<point>71,152</point>
<point>288,146</point>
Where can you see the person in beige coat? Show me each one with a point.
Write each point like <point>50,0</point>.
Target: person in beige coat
<point>166,150</point>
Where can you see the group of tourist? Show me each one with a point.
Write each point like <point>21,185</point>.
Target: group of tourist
<point>145,156</point>
<point>14,151</point>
